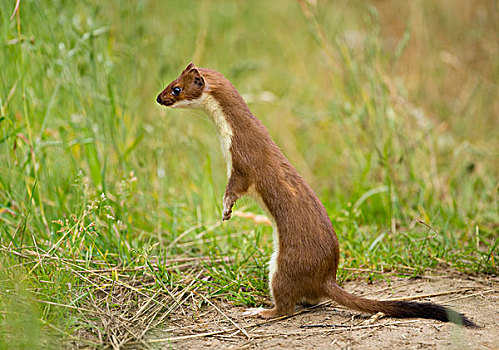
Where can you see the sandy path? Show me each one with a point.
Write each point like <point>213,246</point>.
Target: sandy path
<point>477,297</point>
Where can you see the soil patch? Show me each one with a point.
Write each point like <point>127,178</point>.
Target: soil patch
<point>328,326</point>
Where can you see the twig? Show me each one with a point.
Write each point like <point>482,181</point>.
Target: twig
<point>411,297</point>
<point>191,336</point>
<point>323,325</point>
<point>373,326</point>
<point>472,295</point>
<point>224,314</point>
<point>387,273</point>
<point>16,9</point>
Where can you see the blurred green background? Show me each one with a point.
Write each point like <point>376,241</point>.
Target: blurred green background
<point>389,109</point>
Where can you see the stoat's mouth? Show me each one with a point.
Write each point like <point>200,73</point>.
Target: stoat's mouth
<point>166,102</point>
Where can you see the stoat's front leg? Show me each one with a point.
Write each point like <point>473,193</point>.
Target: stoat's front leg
<point>237,186</point>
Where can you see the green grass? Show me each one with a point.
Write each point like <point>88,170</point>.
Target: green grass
<point>111,205</point>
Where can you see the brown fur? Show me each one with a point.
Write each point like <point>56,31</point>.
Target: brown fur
<point>308,250</point>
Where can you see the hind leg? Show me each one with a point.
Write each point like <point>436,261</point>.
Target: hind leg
<point>285,299</point>
<point>279,309</point>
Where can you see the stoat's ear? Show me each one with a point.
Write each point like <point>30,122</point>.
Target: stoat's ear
<point>197,79</point>
<point>189,67</point>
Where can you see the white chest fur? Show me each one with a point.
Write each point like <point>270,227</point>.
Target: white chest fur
<point>214,110</point>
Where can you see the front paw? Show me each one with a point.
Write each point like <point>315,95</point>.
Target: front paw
<point>226,214</point>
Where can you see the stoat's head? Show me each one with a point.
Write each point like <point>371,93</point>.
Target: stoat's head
<point>185,91</point>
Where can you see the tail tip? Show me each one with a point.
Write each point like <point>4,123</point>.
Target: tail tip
<point>460,319</point>
<point>469,323</point>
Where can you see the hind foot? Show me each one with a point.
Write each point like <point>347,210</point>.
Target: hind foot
<point>261,312</point>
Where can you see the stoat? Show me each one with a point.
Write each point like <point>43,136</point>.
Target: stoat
<point>306,252</point>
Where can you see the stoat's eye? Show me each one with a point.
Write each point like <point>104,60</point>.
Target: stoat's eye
<point>176,90</point>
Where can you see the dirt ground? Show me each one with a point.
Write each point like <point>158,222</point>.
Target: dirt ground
<point>332,327</point>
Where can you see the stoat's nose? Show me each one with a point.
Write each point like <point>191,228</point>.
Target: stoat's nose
<point>158,99</point>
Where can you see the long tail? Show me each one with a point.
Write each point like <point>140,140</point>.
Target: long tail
<point>401,309</point>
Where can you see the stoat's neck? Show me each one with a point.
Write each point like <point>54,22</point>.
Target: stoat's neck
<point>225,132</point>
